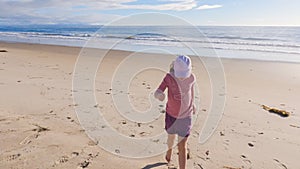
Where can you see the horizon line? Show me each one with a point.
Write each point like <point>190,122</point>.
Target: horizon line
<point>89,24</point>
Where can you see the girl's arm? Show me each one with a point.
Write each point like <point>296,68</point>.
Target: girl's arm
<point>159,93</point>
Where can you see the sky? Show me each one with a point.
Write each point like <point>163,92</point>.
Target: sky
<point>196,12</point>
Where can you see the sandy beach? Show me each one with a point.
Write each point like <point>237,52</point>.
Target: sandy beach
<point>39,127</point>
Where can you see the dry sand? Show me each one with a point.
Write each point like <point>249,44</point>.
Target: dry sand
<point>39,127</point>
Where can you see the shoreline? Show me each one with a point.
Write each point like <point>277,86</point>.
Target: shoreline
<point>119,50</point>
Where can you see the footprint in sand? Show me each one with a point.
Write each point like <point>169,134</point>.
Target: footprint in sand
<point>250,144</point>
<point>13,157</point>
<point>83,164</point>
<point>29,139</point>
<point>93,143</point>
<point>64,159</point>
<point>188,156</point>
<point>163,111</point>
<point>143,134</point>
<point>281,164</point>
<point>71,120</point>
<point>200,166</point>
<point>147,85</point>
<point>246,160</point>
<point>295,126</point>
<point>74,154</point>
<point>123,122</point>
<point>86,162</point>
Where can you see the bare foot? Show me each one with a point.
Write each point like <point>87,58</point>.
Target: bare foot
<point>168,155</point>
<point>168,159</point>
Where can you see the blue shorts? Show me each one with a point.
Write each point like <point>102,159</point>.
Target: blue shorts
<point>181,127</point>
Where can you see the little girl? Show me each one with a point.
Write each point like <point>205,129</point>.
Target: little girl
<point>180,105</point>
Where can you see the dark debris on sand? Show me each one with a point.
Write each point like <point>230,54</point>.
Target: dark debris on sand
<point>281,113</point>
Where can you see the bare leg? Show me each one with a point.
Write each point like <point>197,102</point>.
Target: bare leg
<point>182,152</point>
<point>170,141</point>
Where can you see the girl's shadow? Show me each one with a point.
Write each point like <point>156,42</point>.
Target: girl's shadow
<point>150,166</point>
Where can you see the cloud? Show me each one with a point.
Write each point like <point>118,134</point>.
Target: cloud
<point>172,6</point>
<point>160,5</point>
<point>80,11</point>
<point>101,5</point>
<point>202,7</point>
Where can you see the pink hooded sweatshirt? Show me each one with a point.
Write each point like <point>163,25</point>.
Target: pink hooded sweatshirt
<point>180,95</point>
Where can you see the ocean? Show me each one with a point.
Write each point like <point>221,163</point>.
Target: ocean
<point>243,42</point>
